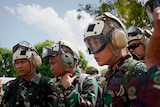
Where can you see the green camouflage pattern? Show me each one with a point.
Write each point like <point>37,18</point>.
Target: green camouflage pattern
<point>114,91</point>
<point>19,93</point>
<point>144,91</point>
<point>70,97</point>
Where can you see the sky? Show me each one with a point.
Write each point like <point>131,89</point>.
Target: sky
<point>38,20</point>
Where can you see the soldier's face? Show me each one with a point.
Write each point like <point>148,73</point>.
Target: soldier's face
<point>104,57</point>
<point>137,48</point>
<point>22,66</point>
<point>56,66</point>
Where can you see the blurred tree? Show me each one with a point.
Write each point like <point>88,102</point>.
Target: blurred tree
<point>83,62</point>
<point>6,67</point>
<point>130,12</point>
<point>44,69</point>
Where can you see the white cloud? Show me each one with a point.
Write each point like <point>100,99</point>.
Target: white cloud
<point>11,10</point>
<point>47,19</point>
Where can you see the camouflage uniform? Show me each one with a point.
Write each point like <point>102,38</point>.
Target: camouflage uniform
<point>70,97</point>
<point>114,91</point>
<point>20,93</point>
<point>144,91</point>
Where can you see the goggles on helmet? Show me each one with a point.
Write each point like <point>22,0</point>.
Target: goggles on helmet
<point>134,36</point>
<point>93,38</point>
<point>23,50</point>
<point>54,50</point>
<point>58,49</point>
<point>97,43</point>
<point>24,45</point>
<point>135,33</point>
<point>134,30</point>
<point>49,51</point>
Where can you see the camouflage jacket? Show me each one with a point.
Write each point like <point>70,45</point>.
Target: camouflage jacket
<point>114,91</point>
<point>144,91</point>
<point>72,97</point>
<point>19,93</point>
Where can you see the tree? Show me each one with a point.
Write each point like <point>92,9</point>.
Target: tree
<point>83,62</point>
<point>45,66</point>
<point>130,12</point>
<point>6,67</point>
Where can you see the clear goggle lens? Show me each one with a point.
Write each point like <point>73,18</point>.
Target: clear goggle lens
<point>95,43</point>
<point>47,51</point>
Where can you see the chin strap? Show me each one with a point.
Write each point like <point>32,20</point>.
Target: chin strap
<point>116,61</point>
<point>115,52</point>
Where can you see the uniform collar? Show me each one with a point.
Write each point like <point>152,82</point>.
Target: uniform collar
<point>36,79</point>
<point>123,59</point>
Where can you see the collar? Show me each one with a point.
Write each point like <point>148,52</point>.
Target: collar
<point>36,79</point>
<point>123,59</point>
<point>120,61</point>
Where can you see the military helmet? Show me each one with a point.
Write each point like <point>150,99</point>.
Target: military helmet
<point>92,70</point>
<point>69,54</point>
<point>25,50</point>
<point>134,32</point>
<point>106,28</point>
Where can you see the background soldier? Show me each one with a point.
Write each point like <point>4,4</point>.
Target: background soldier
<point>30,89</point>
<point>138,41</point>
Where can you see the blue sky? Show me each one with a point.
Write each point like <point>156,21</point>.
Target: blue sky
<point>38,20</point>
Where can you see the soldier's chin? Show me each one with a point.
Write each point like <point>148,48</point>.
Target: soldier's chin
<point>21,73</point>
<point>101,64</point>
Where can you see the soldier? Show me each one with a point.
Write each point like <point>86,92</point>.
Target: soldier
<point>144,91</point>
<point>30,89</point>
<point>63,59</point>
<point>138,41</point>
<point>92,71</point>
<point>106,39</point>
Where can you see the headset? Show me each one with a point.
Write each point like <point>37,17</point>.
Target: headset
<point>36,61</point>
<point>118,36</point>
<point>66,57</point>
<point>105,26</point>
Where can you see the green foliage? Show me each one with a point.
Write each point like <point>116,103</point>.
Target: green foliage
<point>44,69</point>
<point>83,61</point>
<point>6,67</point>
<point>39,46</point>
<point>130,12</point>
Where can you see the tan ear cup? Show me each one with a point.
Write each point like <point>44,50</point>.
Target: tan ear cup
<point>119,39</point>
<point>37,61</point>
